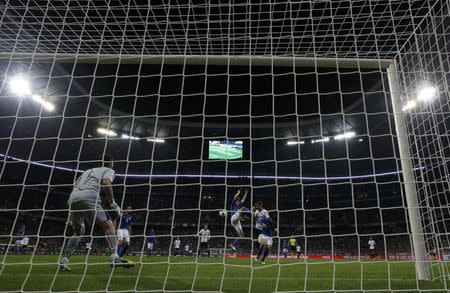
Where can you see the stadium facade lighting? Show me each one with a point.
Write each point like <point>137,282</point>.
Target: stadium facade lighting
<point>126,136</point>
<point>291,142</point>
<point>46,104</point>
<point>426,93</point>
<point>323,139</point>
<point>106,131</point>
<point>158,140</point>
<point>409,105</point>
<point>345,135</point>
<point>20,86</point>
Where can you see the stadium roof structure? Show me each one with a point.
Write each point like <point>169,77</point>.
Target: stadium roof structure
<point>359,29</point>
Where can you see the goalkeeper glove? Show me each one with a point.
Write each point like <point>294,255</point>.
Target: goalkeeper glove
<point>116,208</point>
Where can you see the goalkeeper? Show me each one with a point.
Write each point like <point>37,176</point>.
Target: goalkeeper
<point>85,208</point>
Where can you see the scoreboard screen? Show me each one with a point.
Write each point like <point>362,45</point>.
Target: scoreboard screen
<point>225,149</point>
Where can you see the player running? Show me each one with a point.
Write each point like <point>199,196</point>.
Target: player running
<point>371,247</point>
<point>204,234</point>
<point>237,207</point>
<point>265,239</point>
<point>151,241</point>
<point>85,208</point>
<point>123,225</point>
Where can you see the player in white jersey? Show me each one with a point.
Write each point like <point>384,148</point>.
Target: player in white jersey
<point>85,209</point>
<point>299,250</point>
<point>204,234</point>
<point>259,213</point>
<point>371,247</point>
<point>177,246</point>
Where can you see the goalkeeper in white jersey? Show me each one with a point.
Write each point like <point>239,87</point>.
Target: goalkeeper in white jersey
<point>85,209</point>
<point>204,234</point>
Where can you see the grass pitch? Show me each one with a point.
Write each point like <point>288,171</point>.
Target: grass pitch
<point>216,274</point>
<point>218,152</point>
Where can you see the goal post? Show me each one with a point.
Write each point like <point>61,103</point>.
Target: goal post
<point>421,257</point>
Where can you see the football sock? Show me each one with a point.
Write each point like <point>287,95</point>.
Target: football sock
<point>111,238</point>
<point>124,249</point>
<point>120,250</point>
<point>260,251</point>
<point>266,253</point>
<point>71,245</point>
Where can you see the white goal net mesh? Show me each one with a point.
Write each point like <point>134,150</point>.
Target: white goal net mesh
<point>333,114</point>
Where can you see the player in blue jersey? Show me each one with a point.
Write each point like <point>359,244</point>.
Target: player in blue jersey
<point>265,239</point>
<point>20,235</point>
<point>151,241</point>
<point>285,248</point>
<point>123,224</point>
<point>236,209</point>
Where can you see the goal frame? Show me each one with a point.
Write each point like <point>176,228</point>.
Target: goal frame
<point>421,261</point>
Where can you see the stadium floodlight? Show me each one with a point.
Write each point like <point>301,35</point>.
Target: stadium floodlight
<point>345,135</point>
<point>426,93</point>
<point>20,86</point>
<point>47,105</point>
<point>295,142</point>
<point>158,140</point>
<point>323,139</point>
<point>125,136</point>
<point>106,131</point>
<point>409,105</point>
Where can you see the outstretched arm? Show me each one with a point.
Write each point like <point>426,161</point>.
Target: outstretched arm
<point>244,197</point>
<point>236,195</point>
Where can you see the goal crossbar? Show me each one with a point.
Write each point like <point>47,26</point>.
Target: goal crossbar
<point>282,61</point>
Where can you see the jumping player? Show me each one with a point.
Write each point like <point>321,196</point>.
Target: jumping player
<point>123,225</point>
<point>265,239</point>
<point>237,207</point>
<point>85,208</point>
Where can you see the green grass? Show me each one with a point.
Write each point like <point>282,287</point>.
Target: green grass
<point>238,275</point>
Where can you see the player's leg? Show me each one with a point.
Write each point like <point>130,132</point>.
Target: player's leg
<point>127,243</point>
<point>76,218</point>
<point>267,245</point>
<point>236,223</point>
<point>120,241</point>
<point>106,225</point>
<point>149,249</point>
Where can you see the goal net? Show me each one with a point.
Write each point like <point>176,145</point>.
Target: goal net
<point>332,115</point>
